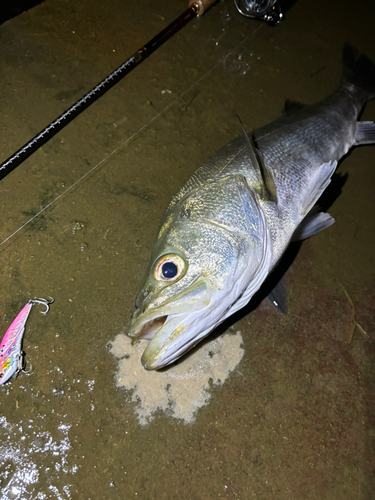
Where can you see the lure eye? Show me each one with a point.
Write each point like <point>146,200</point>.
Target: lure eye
<point>169,268</point>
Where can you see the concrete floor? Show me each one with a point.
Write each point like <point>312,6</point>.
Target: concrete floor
<point>296,419</point>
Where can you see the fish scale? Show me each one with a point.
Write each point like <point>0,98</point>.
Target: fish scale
<point>230,224</point>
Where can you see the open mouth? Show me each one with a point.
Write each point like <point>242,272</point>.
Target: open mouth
<point>167,334</point>
<point>164,324</point>
<point>147,324</point>
<point>149,329</point>
<point>168,327</point>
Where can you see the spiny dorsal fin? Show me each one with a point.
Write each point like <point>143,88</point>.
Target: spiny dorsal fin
<point>265,177</point>
<point>291,107</point>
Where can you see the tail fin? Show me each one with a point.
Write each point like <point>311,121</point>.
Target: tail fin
<point>358,70</point>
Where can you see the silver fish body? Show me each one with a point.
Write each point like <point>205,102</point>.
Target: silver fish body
<point>228,227</point>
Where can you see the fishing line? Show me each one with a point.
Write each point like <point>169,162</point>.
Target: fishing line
<point>127,140</point>
<point>196,8</point>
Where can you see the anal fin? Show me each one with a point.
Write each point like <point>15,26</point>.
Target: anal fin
<point>314,222</point>
<point>279,296</point>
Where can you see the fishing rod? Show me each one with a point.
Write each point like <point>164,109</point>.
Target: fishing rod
<point>196,9</point>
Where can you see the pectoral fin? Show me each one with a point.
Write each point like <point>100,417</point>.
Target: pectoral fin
<point>265,177</point>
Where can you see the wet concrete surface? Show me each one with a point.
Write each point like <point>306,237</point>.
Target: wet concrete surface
<point>296,417</point>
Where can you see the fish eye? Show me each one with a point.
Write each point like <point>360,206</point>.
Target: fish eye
<point>169,268</point>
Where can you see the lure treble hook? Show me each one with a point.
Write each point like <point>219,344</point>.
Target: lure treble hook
<point>43,302</point>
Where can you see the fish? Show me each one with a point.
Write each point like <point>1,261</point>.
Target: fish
<point>11,354</point>
<point>228,227</point>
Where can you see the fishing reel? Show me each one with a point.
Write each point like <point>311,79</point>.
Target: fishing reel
<point>264,10</point>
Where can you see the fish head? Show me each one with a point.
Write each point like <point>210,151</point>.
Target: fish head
<point>201,263</point>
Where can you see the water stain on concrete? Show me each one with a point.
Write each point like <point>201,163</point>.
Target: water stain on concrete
<point>182,389</point>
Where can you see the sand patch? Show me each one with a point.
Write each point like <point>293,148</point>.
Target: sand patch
<point>180,390</point>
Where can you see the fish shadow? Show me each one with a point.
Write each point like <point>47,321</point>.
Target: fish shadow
<point>333,190</point>
<point>280,272</point>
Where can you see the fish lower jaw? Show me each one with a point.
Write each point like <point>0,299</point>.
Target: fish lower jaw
<point>158,357</point>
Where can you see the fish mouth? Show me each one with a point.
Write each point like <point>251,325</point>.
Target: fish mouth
<point>171,334</point>
<point>169,340</point>
<point>149,329</point>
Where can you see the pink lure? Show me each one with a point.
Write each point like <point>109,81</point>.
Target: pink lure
<point>11,355</point>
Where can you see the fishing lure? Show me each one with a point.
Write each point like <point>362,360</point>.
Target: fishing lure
<point>11,354</point>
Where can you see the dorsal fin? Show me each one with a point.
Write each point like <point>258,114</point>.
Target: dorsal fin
<point>291,107</point>
<point>265,177</point>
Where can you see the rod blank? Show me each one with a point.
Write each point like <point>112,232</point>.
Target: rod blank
<point>54,127</point>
